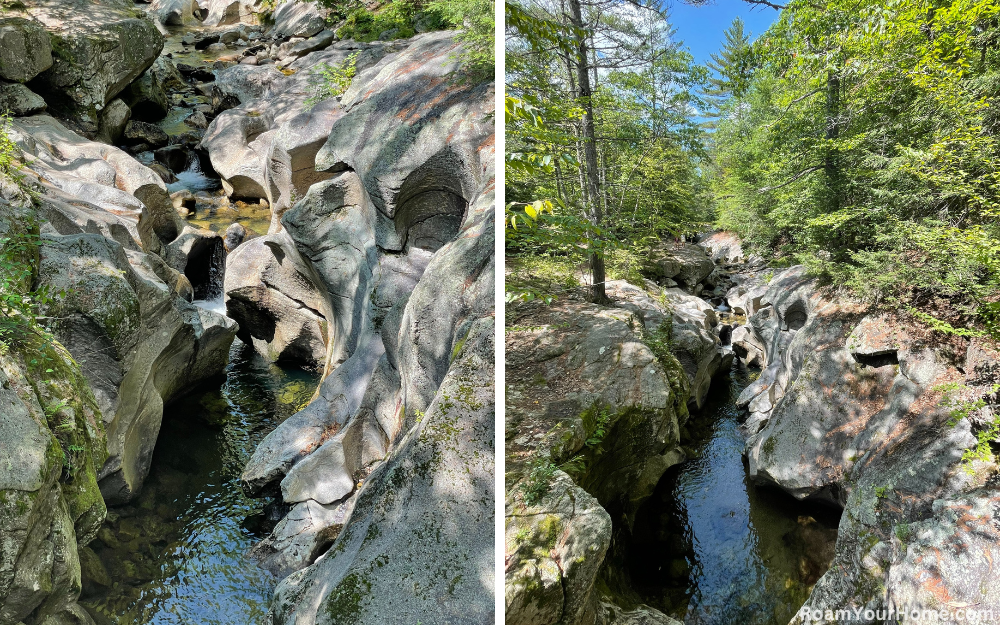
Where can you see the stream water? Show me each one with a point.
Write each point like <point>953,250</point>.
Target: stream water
<point>710,547</point>
<point>177,553</point>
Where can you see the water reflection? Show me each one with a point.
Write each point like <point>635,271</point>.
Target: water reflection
<point>176,555</point>
<point>711,547</point>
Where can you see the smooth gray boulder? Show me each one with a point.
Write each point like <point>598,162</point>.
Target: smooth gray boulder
<point>723,246</point>
<point>105,175</point>
<point>270,294</point>
<point>686,263</point>
<point>146,96</point>
<point>113,120</point>
<point>25,50</point>
<point>100,46</point>
<point>226,12</point>
<point>20,101</point>
<point>295,18</point>
<point>175,12</point>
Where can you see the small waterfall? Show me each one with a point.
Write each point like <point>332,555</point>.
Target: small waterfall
<point>193,178</point>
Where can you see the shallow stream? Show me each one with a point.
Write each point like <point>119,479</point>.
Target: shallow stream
<point>712,548</point>
<point>177,553</point>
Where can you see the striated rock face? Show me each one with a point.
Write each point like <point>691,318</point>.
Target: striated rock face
<point>858,408</point>
<point>266,146</point>
<point>587,396</point>
<point>391,463</point>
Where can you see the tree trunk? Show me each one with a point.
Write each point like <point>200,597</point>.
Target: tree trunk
<point>591,195</point>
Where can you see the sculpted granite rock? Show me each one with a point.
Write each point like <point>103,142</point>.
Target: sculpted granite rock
<point>404,518</point>
<point>852,408</point>
<point>270,294</point>
<point>408,299</point>
<point>266,146</point>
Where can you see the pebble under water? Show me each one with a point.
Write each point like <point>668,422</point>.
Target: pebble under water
<point>177,553</point>
<point>710,547</point>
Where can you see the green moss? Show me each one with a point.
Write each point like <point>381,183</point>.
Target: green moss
<point>343,605</point>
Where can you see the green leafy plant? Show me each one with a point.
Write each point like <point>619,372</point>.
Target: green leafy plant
<point>329,80</point>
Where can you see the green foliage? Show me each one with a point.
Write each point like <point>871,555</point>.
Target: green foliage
<point>400,19</point>
<point>959,408</point>
<point>649,146</point>
<point>540,474</point>
<point>732,66</point>
<point>866,147</point>
<point>660,340</point>
<point>328,80</point>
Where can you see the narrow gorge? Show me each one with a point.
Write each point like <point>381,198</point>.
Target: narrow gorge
<point>731,442</point>
<point>261,386</point>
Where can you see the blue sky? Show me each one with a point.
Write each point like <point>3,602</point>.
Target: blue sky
<point>701,28</point>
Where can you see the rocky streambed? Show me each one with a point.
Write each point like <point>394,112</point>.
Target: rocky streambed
<point>843,462</point>
<point>176,190</point>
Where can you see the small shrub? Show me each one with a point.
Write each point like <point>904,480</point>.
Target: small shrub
<point>328,80</point>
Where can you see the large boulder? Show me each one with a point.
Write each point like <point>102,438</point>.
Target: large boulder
<point>226,12</point>
<point>873,412</point>
<point>295,18</point>
<point>99,47</point>
<point>146,97</point>
<point>723,247</point>
<point>585,395</point>
<point>19,101</point>
<point>52,445</point>
<point>683,324</point>
<point>270,294</point>
<point>686,263</point>
<point>25,50</point>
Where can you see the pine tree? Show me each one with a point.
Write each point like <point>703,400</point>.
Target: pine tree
<point>732,67</point>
